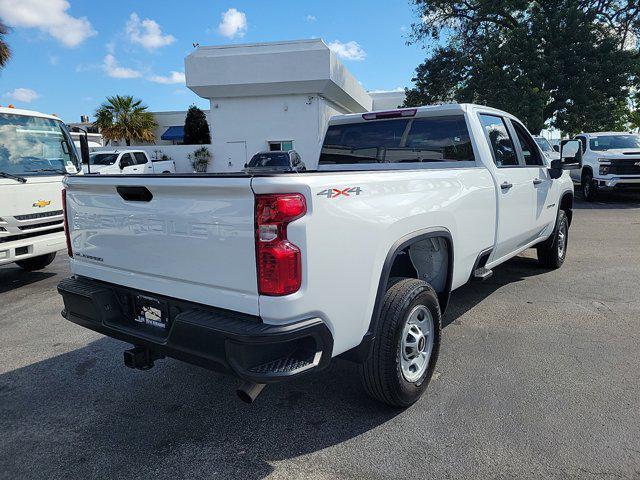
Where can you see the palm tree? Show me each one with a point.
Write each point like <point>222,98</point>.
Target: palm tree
<point>5,52</point>
<point>124,117</point>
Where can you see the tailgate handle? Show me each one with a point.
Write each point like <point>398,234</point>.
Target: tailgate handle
<point>135,194</point>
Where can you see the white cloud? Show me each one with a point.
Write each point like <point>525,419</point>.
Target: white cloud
<point>311,18</point>
<point>349,50</point>
<point>49,16</point>
<point>114,70</point>
<point>147,33</point>
<point>233,24</point>
<point>173,77</point>
<point>25,95</point>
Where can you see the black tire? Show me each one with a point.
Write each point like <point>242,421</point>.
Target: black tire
<point>550,255</point>
<point>589,188</point>
<point>36,263</point>
<point>382,373</point>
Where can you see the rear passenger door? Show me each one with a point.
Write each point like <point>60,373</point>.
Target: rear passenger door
<point>543,202</point>
<point>516,225</point>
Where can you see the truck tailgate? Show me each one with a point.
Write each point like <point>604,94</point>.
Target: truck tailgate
<point>193,240</point>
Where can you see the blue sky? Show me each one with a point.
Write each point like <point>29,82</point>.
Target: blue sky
<point>69,54</point>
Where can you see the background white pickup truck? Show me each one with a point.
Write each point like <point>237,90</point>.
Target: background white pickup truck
<point>610,161</point>
<point>270,276</point>
<point>126,162</point>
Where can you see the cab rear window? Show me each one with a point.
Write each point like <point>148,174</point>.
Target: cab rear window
<point>416,140</point>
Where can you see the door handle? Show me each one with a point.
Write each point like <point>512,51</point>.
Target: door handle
<point>537,181</point>
<point>506,185</point>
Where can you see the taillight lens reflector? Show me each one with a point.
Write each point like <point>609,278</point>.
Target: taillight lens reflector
<point>278,261</point>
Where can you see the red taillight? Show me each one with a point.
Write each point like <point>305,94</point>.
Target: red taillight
<point>66,222</point>
<point>279,262</point>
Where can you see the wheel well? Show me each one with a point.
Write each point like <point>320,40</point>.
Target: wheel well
<point>429,259</point>
<point>424,256</point>
<point>566,204</point>
<point>586,170</point>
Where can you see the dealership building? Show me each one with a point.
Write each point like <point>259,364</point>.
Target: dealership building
<point>272,96</point>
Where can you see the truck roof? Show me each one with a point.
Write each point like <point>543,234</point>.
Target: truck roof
<point>445,107</point>
<point>27,113</point>
<point>601,134</point>
<point>120,150</point>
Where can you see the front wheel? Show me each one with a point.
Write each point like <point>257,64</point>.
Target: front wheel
<point>551,254</point>
<point>589,189</point>
<point>406,345</point>
<point>36,263</point>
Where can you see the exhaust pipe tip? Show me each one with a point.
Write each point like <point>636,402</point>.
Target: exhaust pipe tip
<point>249,391</point>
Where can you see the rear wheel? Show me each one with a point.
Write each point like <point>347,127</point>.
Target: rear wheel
<point>551,254</point>
<point>36,263</point>
<point>406,345</point>
<point>589,189</point>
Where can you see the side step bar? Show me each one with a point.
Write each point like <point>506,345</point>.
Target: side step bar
<point>482,274</point>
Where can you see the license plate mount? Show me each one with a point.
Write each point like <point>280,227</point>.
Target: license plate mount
<point>151,312</point>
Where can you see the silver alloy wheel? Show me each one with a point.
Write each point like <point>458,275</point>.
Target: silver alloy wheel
<point>416,343</point>
<point>562,240</point>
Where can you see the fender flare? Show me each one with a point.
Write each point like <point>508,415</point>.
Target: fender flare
<point>360,352</point>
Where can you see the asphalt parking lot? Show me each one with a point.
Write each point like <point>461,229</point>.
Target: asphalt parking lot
<point>538,377</point>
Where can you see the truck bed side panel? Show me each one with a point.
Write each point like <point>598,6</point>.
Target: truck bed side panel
<point>346,238</point>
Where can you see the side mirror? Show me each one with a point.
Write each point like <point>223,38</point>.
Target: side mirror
<point>571,154</point>
<point>570,158</point>
<point>84,146</point>
<point>556,148</point>
<point>84,149</point>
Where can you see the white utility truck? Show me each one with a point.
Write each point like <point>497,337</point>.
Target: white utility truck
<point>116,162</point>
<point>36,153</point>
<point>270,276</point>
<point>610,162</point>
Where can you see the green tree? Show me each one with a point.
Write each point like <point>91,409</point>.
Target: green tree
<point>5,51</point>
<point>634,115</point>
<point>569,64</point>
<point>124,117</point>
<point>196,127</point>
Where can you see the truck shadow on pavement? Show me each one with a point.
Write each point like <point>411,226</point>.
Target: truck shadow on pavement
<point>468,296</point>
<point>82,414</point>
<point>12,278</point>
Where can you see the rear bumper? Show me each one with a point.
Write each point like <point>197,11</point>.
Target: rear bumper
<point>213,338</point>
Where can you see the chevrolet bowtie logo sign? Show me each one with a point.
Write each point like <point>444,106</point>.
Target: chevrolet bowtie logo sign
<point>42,203</point>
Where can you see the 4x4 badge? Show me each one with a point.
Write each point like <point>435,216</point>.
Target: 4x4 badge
<point>337,192</point>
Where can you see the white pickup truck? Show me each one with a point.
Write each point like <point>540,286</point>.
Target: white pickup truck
<point>126,162</point>
<point>36,152</point>
<point>270,276</point>
<point>610,162</point>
